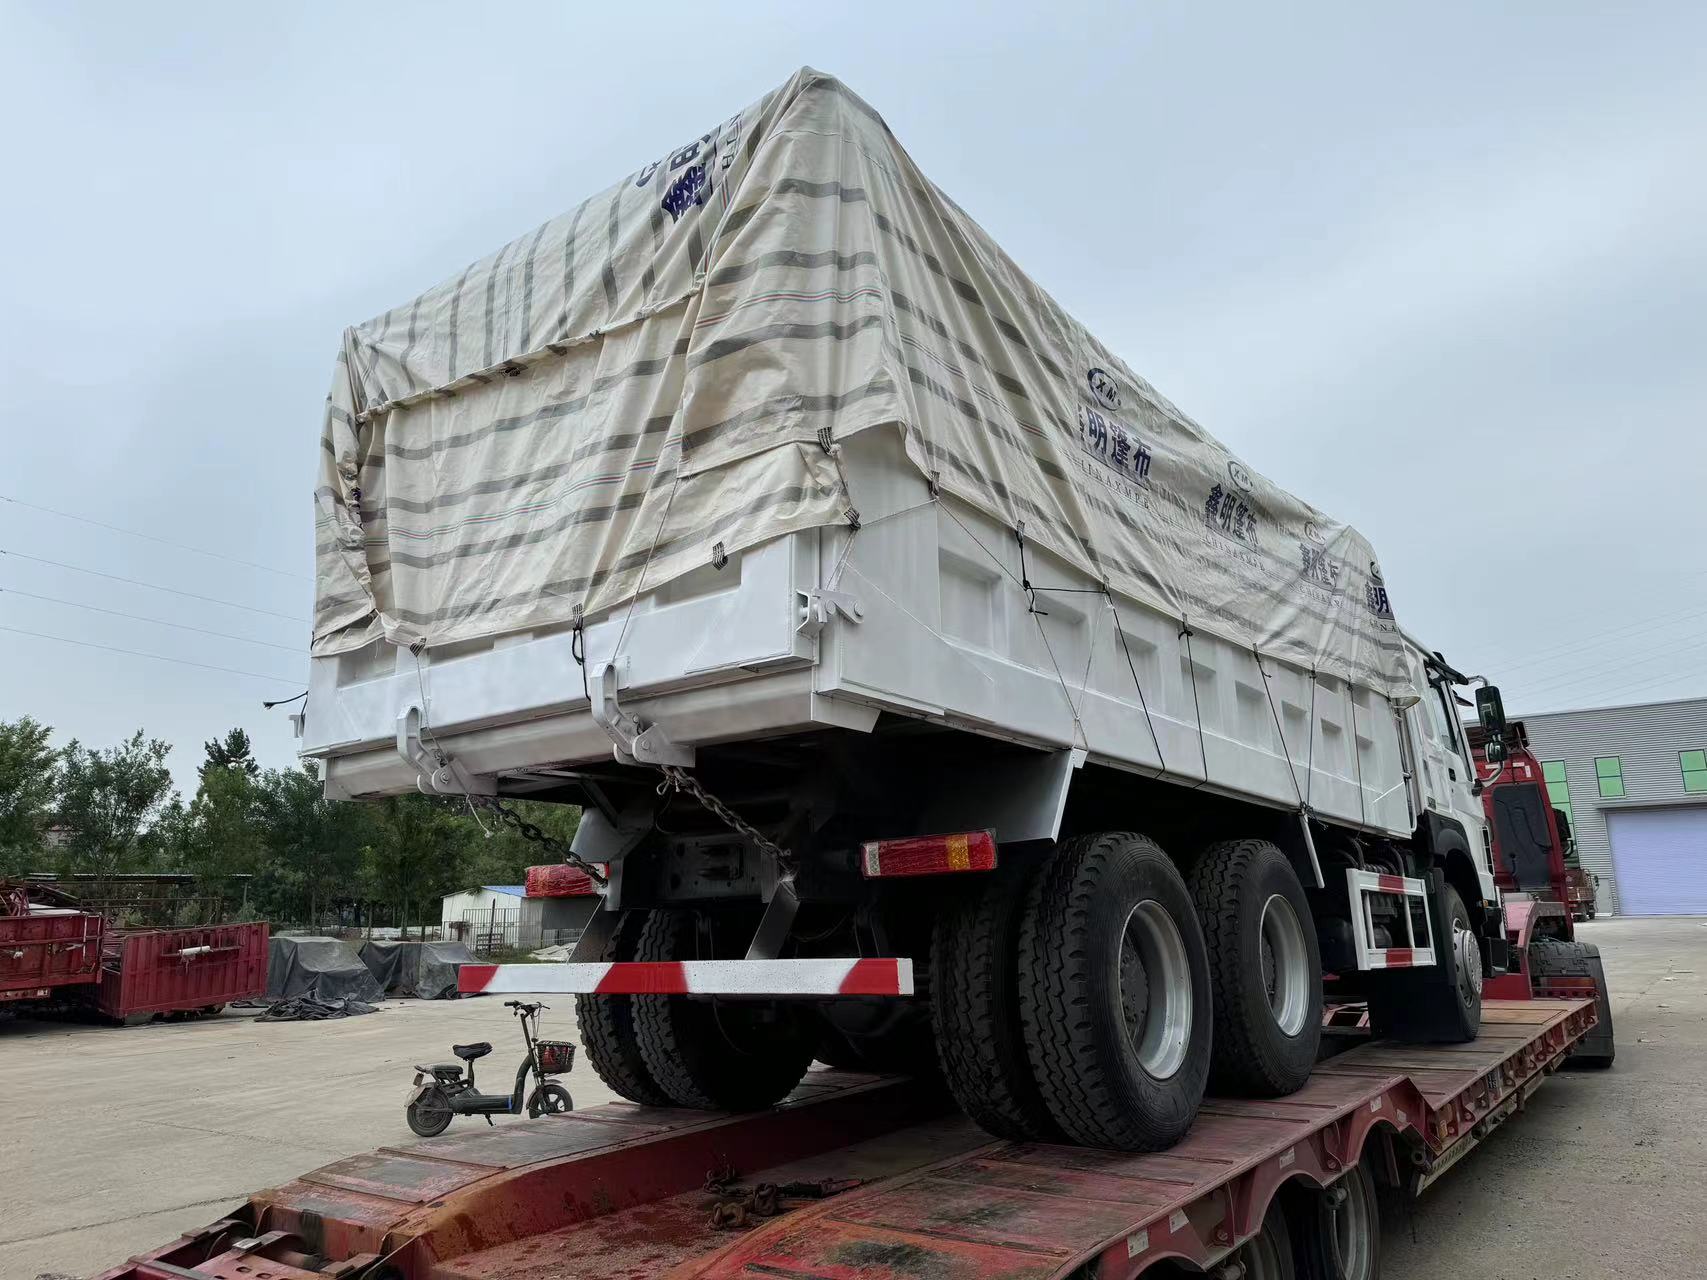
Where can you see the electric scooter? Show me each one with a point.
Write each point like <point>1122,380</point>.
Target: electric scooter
<point>440,1093</point>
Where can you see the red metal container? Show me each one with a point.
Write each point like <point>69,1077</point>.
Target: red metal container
<point>48,947</point>
<point>182,970</point>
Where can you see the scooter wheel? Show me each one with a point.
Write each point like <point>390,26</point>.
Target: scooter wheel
<point>550,1099</point>
<point>430,1114</point>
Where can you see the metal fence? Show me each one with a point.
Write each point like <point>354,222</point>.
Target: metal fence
<point>490,929</point>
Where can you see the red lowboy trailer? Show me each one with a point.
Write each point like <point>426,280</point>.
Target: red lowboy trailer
<point>879,1178</point>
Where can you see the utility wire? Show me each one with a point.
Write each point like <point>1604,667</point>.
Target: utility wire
<point>152,586</point>
<point>158,657</point>
<point>1544,657</point>
<point>159,622</point>
<point>165,542</point>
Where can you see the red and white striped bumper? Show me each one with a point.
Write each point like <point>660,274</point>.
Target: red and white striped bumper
<point>811,977</point>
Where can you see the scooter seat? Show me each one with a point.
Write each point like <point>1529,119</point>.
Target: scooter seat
<point>469,1052</point>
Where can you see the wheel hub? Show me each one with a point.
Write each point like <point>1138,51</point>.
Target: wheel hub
<point>1155,988</point>
<point>1285,965</point>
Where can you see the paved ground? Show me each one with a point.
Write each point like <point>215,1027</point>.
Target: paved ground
<point>115,1140</point>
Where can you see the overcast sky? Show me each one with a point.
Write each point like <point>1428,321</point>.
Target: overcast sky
<point>1440,270</point>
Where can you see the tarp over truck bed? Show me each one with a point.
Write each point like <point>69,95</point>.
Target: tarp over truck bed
<point>649,381</point>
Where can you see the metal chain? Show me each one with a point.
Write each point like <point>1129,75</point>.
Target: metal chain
<point>678,779</point>
<point>529,832</point>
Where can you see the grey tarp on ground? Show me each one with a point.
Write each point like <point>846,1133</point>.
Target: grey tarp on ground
<point>425,970</point>
<point>661,376</point>
<point>325,968</point>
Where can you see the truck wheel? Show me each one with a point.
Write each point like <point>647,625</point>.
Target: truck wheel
<point>976,1010</point>
<point>1269,1254</point>
<point>1114,993</point>
<point>607,1027</point>
<point>1555,957</point>
<point>1264,966</point>
<point>718,1055</point>
<point>1414,1005</point>
<point>1336,1232</point>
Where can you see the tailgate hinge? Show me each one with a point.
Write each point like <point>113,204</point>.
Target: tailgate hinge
<point>819,606</point>
<point>634,742</point>
<point>437,774</point>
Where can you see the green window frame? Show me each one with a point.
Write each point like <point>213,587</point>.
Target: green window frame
<point>1694,766</point>
<point>1558,788</point>
<point>1609,776</point>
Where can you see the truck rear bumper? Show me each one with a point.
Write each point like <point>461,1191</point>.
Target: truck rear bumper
<point>794,977</point>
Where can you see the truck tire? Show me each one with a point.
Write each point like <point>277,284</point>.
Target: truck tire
<point>1265,968</point>
<point>1336,1232</point>
<point>606,1024</point>
<point>1413,1005</point>
<point>976,1010</point>
<point>1114,993</point>
<point>1269,1255</point>
<point>717,1055</point>
<point>1554,957</point>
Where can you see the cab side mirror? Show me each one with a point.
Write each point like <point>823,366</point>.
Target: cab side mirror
<point>1490,711</point>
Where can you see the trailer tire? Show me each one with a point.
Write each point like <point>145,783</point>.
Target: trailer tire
<point>1114,993</point>
<point>1265,968</point>
<point>1411,1005</point>
<point>717,1055</point>
<point>606,1024</point>
<point>1270,1254</point>
<point>1554,957</point>
<point>1336,1232</point>
<point>976,1010</point>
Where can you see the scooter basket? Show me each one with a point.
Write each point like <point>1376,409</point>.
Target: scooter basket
<point>555,1055</point>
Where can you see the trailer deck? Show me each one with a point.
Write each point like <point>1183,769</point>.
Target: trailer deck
<point>875,1178</point>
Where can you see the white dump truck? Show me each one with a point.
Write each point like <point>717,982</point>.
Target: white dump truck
<point>939,696</point>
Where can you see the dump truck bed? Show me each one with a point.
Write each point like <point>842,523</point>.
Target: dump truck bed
<point>904,1188</point>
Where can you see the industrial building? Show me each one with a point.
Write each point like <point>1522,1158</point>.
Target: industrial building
<point>1633,780</point>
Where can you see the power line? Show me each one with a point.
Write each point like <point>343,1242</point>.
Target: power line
<point>1541,657</point>
<point>1622,690</point>
<point>152,586</point>
<point>159,622</point>
<point>1551,688</point>
<point>158,657</point>
<point>165,542</point>
<point>1633,657</point>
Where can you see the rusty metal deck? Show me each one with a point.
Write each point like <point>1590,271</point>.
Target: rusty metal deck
<point>614,1191</point>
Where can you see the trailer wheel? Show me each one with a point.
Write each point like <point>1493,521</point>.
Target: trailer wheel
<point>976,1010</point>
<point>1264,965</point>
<point>718,1055</point>
<point>1550,957</point>
<point>1336,1232</point>
<point>1114,993</point>
<point>1414,1005</point>
<point>606,1024</point>
<point>1269,1254</point>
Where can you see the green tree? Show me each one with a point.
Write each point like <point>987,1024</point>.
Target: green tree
<point>29,779</point>
<point>225,831</point>
<point>109,798</point>
<point>416,855</point>
<point>313,845</point>
<point>233,751</point>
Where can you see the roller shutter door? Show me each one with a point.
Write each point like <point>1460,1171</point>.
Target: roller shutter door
<point>1660,859</point>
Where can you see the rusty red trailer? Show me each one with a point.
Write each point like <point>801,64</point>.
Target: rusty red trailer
<point>46,948</point>
<point>870,1177</point>
<point>149,971</point>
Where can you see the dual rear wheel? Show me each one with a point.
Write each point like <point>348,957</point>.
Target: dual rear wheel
<point>1095,997</point>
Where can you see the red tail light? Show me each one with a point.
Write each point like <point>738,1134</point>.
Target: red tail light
<point>929,855</point>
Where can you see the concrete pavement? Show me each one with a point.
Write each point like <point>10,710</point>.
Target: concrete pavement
<point>115,1140</point>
